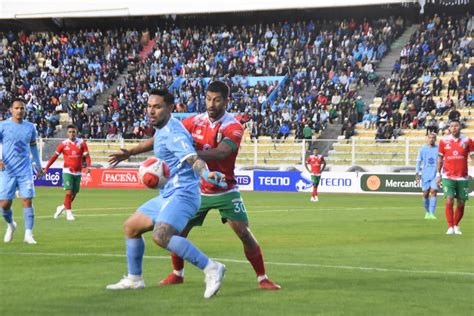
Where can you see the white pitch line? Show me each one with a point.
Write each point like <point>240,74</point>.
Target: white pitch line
<point>285,264</point>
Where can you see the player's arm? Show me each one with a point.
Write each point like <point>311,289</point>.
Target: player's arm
<point>306,164</point>
<point>324,165</point>
<point>124,154</point>
<point>53,158</point>
<point>439,167</point>
<point>201,169</point>
<point>418,165</point>
<point>88,157</point>
<point>222,151</point>
<point>35,154</point>
<point>2,165</point>
<point>231,142</point>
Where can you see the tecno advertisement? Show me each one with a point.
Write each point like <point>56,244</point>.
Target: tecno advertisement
<point>294,181</point>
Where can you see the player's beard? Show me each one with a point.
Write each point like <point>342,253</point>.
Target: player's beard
<point>215,114</point>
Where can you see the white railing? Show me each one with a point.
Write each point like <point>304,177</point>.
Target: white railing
<point>351,152</point>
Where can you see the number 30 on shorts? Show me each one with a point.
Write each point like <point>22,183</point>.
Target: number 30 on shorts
<point>239,206</point>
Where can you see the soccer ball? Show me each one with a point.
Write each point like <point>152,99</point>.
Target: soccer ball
<point>154,173</point>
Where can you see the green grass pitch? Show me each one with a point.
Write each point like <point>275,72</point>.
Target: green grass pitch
<point>346,255</point>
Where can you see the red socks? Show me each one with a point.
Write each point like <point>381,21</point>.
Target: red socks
<point>68,201</point>
<point>178,262</point>
<point>315,192</point>
<point>458,215</point>
<point>453,218</point>
<point>255,257</point>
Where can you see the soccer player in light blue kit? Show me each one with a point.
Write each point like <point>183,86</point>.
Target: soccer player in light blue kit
<point>18,139</point>
<point>427,160</point>
<point>168,213</point>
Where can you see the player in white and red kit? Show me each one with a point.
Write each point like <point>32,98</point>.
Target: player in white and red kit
<point>452,169</point>
<point>316,165</point>
<point>74,150</point>
<point>217,136</point>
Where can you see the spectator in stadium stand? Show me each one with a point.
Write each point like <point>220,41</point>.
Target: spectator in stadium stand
<point>380,133</point>
<point>454,115</point>
<point>366,119</point>
<point>360,108</point>
<point>350,131</point>
<point>437,86</point>
<point>432,126</point>
<point>452,86</point>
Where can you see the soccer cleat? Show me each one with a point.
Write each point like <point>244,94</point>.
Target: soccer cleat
<point>427,216</point>
<point>432,216</point>
<point>59,211</point>
<point>267,284</point>
<point>450,231</point>
<point>9,233</point>
<point>127,284</point>
<point>69,215</point>
<point>312,199</point>
<point>29,239</point>
<point>172,279</point>
<point>213,280</point>
<point>316,199</point>
<point>457,231</point>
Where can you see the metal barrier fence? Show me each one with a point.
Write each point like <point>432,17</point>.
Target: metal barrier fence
<point>289,152</point>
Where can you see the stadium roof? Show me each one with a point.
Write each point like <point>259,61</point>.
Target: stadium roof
<point>28,9</point>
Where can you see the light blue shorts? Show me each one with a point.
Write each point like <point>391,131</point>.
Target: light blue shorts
<point>429,184</point>
<point>9,185</point>
<point>175,210</point>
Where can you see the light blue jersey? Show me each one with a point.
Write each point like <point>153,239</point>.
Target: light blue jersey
<point>180,197</point>
<point>16,139</point>
<point>427,161</point>
<point>173,144</point>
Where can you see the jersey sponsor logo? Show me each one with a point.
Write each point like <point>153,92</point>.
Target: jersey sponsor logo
<point>198,131</point>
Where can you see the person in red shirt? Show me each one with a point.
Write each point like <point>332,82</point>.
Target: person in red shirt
<point>315,165</point>
<point>217,136</point>
<point>74,150</point>
<point>452,171</point>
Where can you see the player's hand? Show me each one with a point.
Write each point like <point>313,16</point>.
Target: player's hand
<point>2,165</point>
<point>417,179</point>
<point>39,172</point>
<point>438,181</point>
<point>88,170</point>
<point>215,177</point>
<point>117,157</point>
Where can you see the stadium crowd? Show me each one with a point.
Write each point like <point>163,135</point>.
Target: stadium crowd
<point>429,80</point>
<point>319,65</point>
<point>322,63</point>
<point>62,72</point>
